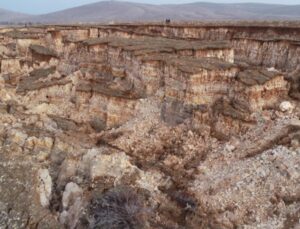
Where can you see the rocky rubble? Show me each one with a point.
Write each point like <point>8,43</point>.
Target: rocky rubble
<point>143,126</point>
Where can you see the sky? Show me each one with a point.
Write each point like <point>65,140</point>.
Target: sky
<point>47,6</point>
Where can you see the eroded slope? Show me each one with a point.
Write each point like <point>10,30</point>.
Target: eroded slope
<point>157,130</point>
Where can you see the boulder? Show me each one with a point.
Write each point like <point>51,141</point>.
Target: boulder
<point>286,106</point>
<point>45,187</point>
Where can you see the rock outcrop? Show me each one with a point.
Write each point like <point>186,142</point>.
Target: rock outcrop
<point>189,126</point>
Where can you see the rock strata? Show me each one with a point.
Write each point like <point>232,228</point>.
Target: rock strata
<point>150,126</point>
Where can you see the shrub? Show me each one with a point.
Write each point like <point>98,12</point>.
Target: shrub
<point>118,208</point>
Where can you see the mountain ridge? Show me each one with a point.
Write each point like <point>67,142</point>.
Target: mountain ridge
<point>9,15</point>
<point>119,11</point>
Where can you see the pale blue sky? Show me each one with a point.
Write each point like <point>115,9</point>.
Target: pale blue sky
<point>46,6</point>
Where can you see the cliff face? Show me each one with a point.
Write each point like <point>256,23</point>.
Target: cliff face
<point>198,123</point>
<point>272,45</point>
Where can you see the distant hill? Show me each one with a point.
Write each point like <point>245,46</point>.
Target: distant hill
<point>9,16</point>
<point>107,11</point>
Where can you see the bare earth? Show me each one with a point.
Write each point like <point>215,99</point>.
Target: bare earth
<point>150,126</point>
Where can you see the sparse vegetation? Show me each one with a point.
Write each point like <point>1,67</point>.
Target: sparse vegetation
<point>118,208</point>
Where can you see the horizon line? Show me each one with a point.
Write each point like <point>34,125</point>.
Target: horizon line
<point>157,4</point>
